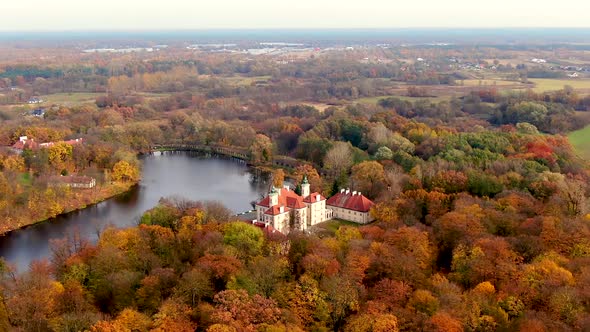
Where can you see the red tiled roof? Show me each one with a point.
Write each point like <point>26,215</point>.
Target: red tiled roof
<point>276,210</point>
<point>269,230</point>
<point>264,202</point>
<point>31,144</point>
<point>351,202</point>
<point>70,142</point>
<point>295,202</point>
<point>287,198</point>
<point>28,144</point>
<point>313,198</point>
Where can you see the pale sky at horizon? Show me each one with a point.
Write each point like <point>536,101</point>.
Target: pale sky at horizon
<point>41,15</point>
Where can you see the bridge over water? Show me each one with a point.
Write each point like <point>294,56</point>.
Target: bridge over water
<point>235,152</point>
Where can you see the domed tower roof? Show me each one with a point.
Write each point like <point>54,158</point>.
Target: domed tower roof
<point>305,181</point>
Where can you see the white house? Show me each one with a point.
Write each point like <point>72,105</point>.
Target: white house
<point>285,210</point>
<point>351,206</point>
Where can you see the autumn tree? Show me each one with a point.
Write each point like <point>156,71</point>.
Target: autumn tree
<point>278,177</point>
<point>261,150</point>
<point>315,181</point>
<point>125,172</point>
<point>247,239</point>
<point>241,311</point>
<point>193,286</point>
<point>368,177</point>
<point>339,158</point>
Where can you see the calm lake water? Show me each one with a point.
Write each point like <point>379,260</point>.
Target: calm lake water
<point>186,174</point>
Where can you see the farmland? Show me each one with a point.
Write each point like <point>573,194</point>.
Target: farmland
<point>70,99</point>
<point>542,84</point>
<point>580,140</point>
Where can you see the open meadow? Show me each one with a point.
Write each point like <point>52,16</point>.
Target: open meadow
<point>549,84</point>
<point>580,140</point>
<point>70,99</point>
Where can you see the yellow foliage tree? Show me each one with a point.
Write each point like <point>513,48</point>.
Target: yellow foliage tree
<point>278,177</point>
<point>125,172</point>
<point>60,155</point>
<point>13,163</point>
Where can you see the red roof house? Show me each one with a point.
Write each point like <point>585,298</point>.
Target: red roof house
<point>351,206</point>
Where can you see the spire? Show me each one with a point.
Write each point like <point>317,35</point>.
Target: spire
<point>274,196</point>
<point>305,187</point>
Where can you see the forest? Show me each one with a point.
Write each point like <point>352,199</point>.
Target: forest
<point>482,221</point>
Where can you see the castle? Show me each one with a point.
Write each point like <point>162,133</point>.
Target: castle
<point>285,210</point>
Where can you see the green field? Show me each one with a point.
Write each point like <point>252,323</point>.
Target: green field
<point>476,82</point>
<point>329,228</point>
<point>580,140</point>
<point>71,99</point>
<point>547,84</point>
<point>375,100</point>
<point>245,81</point>
<point>25,179</point>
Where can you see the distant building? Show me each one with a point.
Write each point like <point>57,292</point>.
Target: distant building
<point>74,141</point>
<point>72,181</point>
<point>25,143</point>
<point>284,210</point>
<point>573,75</point>
<point>35,100</point>
<point>39,112</point>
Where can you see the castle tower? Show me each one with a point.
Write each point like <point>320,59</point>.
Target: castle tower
<point>305,187</point>
<point>274,196</point>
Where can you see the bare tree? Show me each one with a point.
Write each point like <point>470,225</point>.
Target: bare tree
<point>339,158</point>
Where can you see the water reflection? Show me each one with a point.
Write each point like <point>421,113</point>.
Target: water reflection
<point>186,174</point>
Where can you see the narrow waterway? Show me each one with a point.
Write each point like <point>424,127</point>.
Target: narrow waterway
<point>185,174</point>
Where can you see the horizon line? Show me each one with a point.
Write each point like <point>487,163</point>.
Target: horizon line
<point>295,29</point>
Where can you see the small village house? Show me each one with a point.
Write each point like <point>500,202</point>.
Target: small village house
<point>25,143</point>
<point>72,181</point>
<point>35,100</point>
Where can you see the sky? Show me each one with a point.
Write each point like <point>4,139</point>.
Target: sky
<point>59,15</point>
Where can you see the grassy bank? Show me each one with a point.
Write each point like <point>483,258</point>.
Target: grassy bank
<point>69,200</point>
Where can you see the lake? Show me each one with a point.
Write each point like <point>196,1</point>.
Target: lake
<point>190,175</point>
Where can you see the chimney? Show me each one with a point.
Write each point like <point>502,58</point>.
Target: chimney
<point>359,193</point>
<point>281,209</point>
<point>354,193</point>
<point>23,139</point>
<point>347,191</point>
<point>317,197</point>
<point>341,190</point>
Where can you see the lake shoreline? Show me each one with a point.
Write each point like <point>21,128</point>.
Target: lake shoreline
<point>192,176</point>
<point>122,188</point>
<point>119,189</point>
